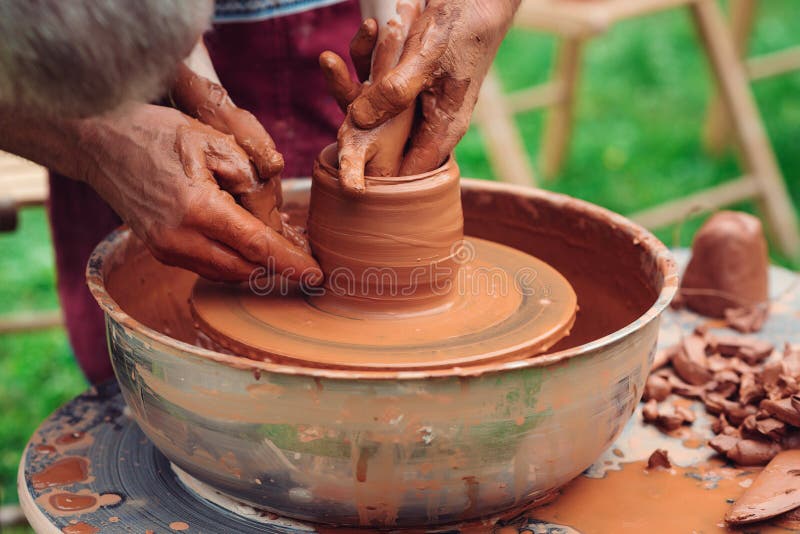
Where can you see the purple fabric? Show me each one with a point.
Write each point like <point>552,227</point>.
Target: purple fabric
<point>79,219</point>
<point>269,68</point>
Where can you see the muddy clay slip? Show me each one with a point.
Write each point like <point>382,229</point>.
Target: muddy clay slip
<point>397,448</point>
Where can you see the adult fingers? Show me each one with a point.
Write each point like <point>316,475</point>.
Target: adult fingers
<point>444,120</point>
<point>395,92</point>
<point>202,150</point>
<point>230,224</point>
<point>206,257</point>
<point>210,104</point>
<point>361,48</point>
<point>337,77</point>
<point>230,164</point>
<point>258,144</point>
<point>352,160</point>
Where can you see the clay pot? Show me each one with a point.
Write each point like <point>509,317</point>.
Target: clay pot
<point>395,243</point>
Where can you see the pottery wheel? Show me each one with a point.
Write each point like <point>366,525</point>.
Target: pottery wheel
<point>122,462</point>
<point>504,304</point>
<point>141,490</point>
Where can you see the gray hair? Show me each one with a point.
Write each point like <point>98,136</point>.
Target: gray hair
<point>78,58</point>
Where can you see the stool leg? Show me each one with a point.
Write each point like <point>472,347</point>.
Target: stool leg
<point>716,134</point>
<point>558,125</point>
<point>504,146</point>
<point>757,155</point>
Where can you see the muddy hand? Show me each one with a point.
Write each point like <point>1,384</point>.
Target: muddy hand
<point>209,102</point>
<point>174,181</point>
<point>446,56</point>
<point>376,151</point>
<point>360,151</point>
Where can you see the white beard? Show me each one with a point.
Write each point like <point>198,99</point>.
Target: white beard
<point>78,58</point>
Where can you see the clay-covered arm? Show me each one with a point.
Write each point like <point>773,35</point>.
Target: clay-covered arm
<point>171,178</point>
<point>445,59</point>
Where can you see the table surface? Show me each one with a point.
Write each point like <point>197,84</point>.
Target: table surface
<point>616,494</point>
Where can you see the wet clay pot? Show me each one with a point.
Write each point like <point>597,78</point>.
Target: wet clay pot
<point>395,243</point>
<point>398,448</point>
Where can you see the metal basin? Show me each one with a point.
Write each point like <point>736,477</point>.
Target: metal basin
<point>379,448</point>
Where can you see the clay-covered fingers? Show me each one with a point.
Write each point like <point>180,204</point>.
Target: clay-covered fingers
<point>352,162</point>
<point>215,214</point>
<point>257,143</point>
<point>229,224</point>
<point>203,151</point>
<point>361,48</point>
<point>196,252</point>
<point>209,103</point>
<point>340,85</point>
<point>445,116</point>
<point>396,91</point>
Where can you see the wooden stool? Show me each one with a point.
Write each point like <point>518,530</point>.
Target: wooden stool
<point>576,21</point>
<point>22,184</point>
<point>742,18</point>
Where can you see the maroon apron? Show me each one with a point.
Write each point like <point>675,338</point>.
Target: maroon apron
<point>270,68</point>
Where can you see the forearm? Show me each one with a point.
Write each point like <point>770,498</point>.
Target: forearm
<point>96,151</point>
<point>51,142</point>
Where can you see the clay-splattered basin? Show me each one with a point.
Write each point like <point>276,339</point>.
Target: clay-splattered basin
<point>398,448</point>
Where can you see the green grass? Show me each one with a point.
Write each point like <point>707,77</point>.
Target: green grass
<point>37,371</point>
<point>636,143</point>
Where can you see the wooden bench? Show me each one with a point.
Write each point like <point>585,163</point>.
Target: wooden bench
<point>22,184</point>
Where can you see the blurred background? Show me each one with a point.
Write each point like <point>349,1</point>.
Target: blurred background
<point>636,142</point>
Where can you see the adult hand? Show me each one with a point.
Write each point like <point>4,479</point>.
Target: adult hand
<point>446,56</point>
<point>375,152</point>
<point>209,102</point>
<point>174,181</point>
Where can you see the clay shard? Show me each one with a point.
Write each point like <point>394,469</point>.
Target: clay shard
<point>748,319</point>
<point>783,410</point>
<point>791,439</point>
<point>776,490</point>
<point>683,389</point>
<point>750,391</point>
<point>657,388</point>
<point>751,350</point>
<point>753,452</point>
<point>685,413</point>
<point>670,421</point>
<point>659,459</point>
<point>650,411</point>
<point>791,360</point>
<point>771,427</point>
<point>717,363</point>
<point>719,424</point>
<point>690,362</point>
<point>723,443</point>
<point>664,357</point>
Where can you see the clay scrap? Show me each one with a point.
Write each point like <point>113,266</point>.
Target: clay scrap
<point>659,459</point>
<point>776,490</point>
<point>750,387</point>
<point>726,277</point>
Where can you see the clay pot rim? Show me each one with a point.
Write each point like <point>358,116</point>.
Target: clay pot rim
<point>386,186</point>
<point>103,257</point>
